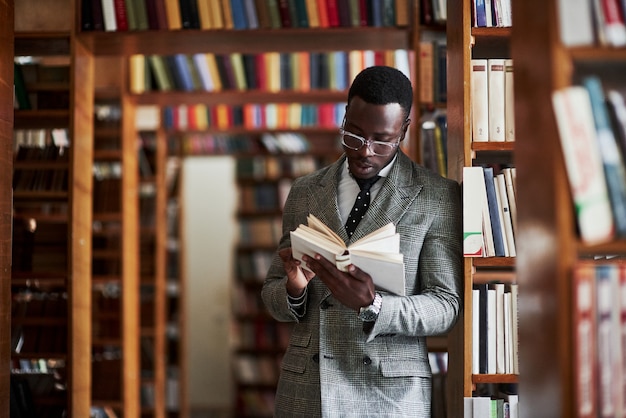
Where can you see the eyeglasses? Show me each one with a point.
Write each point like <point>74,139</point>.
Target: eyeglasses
<point>356,142</point>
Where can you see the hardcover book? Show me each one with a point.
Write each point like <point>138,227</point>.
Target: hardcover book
<point>614,169</point>
<point>583,163</point>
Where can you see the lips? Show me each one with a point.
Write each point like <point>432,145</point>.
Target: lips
<point>361,167</point>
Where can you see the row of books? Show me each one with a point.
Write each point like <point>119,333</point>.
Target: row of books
<point>41,169</point>
<point>39,242</point>
<point>255,402</point>
<point>267,71</point>
<point>252,266</point>
<point>599,320</point>
<point>492,100</point>
<point>35,141</point>
<point>107,195</point>
<point>491,13</point>
<point>489,212</point>
<point>494,329</point>
<point>49,338</point>
<point>200,117</point>
<point>255,369</point>
<point>43,376</point>
<point>591,123</point>
<point>263,197</point>
<point>205,143</point>
<point>246,303</point>
<point>433,71</point>
<point>41,83</point>
<point>129,15</point>
<point>590,22</point>
<point>261,334</point>
<point>434,141</point>
<point>273,167</point>
<point>262,232</point>
<point>488,407</point>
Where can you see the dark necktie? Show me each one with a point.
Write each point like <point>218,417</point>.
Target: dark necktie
<point>361,204</point>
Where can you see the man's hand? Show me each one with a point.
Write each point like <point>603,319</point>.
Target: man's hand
<point>353,289</point>
<point>297,277</point>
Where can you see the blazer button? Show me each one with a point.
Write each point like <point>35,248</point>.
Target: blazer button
<point>316,357</point>
<point>325,305</point>
<point>367,361</point>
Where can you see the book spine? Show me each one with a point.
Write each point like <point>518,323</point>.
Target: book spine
<point>131,14</point>
<point>509,102</point>
<point>98,17</point>
<point>584,340</point>
<point>614,168</point>
<point>121,15</point>
<point>173,14</point>
<point>333,13</point>
<point>108,13</point>
<point>473,194</point>
<point>506,214</point>
<point>301,14</point>
<point>389,13</point>
<point>252,18</point>
<point>574,116</point>
<point>494,213</point>
<point>479,100</point>
<point>239,14</point>
<point>496,104</point>
<point>312,13</point>
<point>275,14</point>
<point>86,15</point>
<point>426,72</point>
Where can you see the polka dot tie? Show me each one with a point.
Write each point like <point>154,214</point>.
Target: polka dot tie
<point>361,204</point>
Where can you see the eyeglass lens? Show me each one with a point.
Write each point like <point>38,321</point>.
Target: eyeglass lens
<point>377,147</point>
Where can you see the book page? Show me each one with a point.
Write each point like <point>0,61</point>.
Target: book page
<point>320,226</point>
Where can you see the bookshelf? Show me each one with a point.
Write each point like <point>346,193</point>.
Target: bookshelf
<point>463,45</point>
<point>6,170</point>
<point>53,250</point>
<point>116,272</point>
<point>550,247</point>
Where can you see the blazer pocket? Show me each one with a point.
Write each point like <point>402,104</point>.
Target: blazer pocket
<point>296,358</point>
<point>295,363</point>
<point>405,368</point>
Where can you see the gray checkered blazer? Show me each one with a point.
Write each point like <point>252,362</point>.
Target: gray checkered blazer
<point>331,367</point>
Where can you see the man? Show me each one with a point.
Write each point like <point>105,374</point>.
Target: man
<point>356,350</point>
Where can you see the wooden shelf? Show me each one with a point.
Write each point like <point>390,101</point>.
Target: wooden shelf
<point>42,43</point>
<point>236,97</point>
<point>226,41</point>
<point>36,119</point>
<point>495,378</point>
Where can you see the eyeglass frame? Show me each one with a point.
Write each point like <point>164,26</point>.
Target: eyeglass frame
<point>392,145</point>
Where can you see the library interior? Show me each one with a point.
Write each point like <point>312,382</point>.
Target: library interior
<point>148,147</point>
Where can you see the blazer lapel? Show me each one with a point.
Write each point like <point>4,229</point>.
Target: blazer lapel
<point>394,198</point>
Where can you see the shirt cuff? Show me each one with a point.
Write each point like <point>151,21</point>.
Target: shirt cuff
<point>298,305</point>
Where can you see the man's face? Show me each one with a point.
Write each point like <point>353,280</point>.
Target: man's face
<point>384,123</point>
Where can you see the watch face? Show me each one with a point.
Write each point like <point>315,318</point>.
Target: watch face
<point>367,314</point>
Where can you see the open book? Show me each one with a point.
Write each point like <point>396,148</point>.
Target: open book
<point>377,253</point>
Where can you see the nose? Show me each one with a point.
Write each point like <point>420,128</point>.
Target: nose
<point>366,148</point>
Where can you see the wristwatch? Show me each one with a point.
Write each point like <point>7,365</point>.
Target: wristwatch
<point>370,313</point>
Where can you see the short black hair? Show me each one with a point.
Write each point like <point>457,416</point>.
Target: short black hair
<point>382,85</point>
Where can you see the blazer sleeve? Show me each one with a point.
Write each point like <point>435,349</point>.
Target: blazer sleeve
<point>274,291</point>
